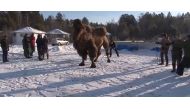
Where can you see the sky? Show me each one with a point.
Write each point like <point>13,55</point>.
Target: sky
<point>100,16</point>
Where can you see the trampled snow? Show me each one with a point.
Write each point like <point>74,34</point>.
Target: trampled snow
<point>134,73</point>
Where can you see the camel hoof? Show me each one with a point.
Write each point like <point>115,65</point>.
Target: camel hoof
<point>93,66</point>
<point>81,64</point>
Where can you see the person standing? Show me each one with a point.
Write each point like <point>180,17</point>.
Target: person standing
<point>26,46</point>
<point>29,47</point>
<point>165,44</point>
<point>176,52</point>
<point>45,47</point>
<point>39,42</point>
<point>5,48</point>
<point>113,46</point>
<point>185,63</point>
<point>32,41</point>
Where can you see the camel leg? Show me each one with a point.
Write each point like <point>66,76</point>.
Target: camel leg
<point>93,54</point>
<point>82,63</point>
<point>98,54</point>
<point>93,65</point>
<point>84,57</point>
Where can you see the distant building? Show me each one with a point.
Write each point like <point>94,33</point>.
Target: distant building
<point>57,33</point>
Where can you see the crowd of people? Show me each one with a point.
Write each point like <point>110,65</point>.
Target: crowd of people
<point>28,44</point>
<point>180,51</point>
<point>42,47</point>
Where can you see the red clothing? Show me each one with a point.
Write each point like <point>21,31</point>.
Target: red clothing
<point>33,41</point>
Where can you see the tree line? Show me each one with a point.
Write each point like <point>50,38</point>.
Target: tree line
<point>146,27</point>
<point>149,25</point>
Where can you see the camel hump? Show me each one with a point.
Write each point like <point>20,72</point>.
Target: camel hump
<point>101,31</point>
<point>88,28</point>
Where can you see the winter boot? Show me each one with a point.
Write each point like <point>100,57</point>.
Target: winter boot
<point>180,70</point>
<point>174,68</point>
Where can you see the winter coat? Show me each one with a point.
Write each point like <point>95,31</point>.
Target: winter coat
<point>39,42</point>
<point>165,44</point>
<point>4,45</point>
<point>24,43</point>
<point>176,47</point>
<point>27,45</point>
<point>45,44</point>
<point>32,42</point>
<point>112,44</point>
<point>186,47</point>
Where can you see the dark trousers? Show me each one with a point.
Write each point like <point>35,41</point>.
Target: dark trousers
<point>27,53</point>
<point>5,53</point>
<point>185,63</point>
<point>33,50</point>
<point>115,51</point>
<point>162,55</point>
<point>40,53</point>
<point>176,59</point>
<point>47,54</point>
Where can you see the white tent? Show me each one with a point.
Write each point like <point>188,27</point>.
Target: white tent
<point>18,34</point>
<point>57,31</point>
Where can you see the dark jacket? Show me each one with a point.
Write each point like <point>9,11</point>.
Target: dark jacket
<point>165,44</point>
<point>45,44</point>
<point>32,41</point>
<point>39,42</point>
<point>186,47</point>
<point>25,43</point>
<point>176,46</point>
<point>4,45</point>
<point>112,44</point>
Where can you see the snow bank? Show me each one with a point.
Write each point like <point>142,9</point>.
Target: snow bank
<point>63,48</point>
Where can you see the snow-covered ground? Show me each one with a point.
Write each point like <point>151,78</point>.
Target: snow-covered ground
<point>132,74</point>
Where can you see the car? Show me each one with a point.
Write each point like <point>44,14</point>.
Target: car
<point>59,41</point>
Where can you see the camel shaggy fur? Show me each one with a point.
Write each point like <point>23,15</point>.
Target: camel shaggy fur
<point>88,41</point>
